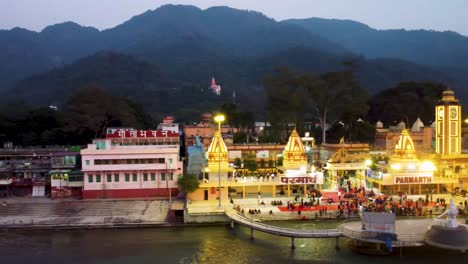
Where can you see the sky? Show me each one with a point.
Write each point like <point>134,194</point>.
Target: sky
<point>437,15</point>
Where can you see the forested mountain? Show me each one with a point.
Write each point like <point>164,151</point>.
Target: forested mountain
<point>164,58</point>
<point>221,30</point>
<point>428,47</point>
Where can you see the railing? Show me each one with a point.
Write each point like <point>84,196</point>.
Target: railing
<point>282,231</point>
<point>71,222</point>
<point>402,239</point>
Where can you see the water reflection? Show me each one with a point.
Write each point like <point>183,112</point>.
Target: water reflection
<point>212,244</point>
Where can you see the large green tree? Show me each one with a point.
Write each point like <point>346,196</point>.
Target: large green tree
<point>336,96</point>
<point>328,98</point>
<point>287,101</point>
<point>91,110</point>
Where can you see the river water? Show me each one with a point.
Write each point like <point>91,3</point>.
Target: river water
<point>205,244</point>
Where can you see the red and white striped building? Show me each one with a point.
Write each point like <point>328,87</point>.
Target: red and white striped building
<point>132,163</point>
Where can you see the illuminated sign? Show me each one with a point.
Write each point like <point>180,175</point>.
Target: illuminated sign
<point>316,179</point>
<point>142,134</point>
<point>412,179</point>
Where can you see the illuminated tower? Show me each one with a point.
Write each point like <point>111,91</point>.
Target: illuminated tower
<point>217,155</point>
<point>448,125</point>
<point>294,153</point>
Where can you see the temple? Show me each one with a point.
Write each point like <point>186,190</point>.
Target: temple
<point>294,177</point>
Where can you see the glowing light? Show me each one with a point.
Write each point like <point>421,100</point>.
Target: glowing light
<point>368,162</point>
<point>411,166</point>
<point>428,166</point>
<point>396,166</point>
<point>219,118</point>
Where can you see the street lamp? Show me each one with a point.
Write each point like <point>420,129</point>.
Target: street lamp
<point>219,119</point>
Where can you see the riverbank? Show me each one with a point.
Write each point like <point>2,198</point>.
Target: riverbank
<point>43,213</point>
<point>85,214</point>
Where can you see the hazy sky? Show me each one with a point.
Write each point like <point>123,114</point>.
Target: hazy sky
<point>381,14</point>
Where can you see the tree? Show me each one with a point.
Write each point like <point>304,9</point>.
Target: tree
<point>91,110</point>
<point>406,102</point>
<point>237,162</point>
<point>188,183</point>
<point>287,99</point>
<point>335,95</point>
<point>250,164</point>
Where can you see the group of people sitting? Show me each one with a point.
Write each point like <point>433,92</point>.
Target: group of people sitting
<point>275,203</point>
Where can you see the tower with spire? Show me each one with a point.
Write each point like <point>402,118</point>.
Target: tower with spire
<point>448,124</point>
<point>217,156</point>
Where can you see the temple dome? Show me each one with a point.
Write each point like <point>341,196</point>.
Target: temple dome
<point>417,125</point>
<point>379,124</point>
<point>401,125</point>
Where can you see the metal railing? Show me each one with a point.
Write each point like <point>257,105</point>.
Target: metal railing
<point>282,231</point>
<point>402,239</point>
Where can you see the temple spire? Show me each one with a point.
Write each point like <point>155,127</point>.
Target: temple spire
<point>217,153</point>
<point>294,153</point>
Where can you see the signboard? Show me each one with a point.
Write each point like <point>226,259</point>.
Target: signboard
<point>263,154</point>
<point>141,134</point>
<point>307,179</point>
<point>378,222</point>
<point>412,180</point>
<point>234,154</point>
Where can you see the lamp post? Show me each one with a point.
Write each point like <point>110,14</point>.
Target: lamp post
<point>219,119</point>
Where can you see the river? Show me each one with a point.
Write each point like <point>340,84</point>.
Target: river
<point>204,244</point>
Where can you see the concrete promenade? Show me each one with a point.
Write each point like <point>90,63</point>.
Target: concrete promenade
<point>42,213</point>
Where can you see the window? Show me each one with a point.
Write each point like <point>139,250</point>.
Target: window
<point>98,177</point>
<point>127,177</point>
<point>163,176</point>
<point>145,176</point>
<point>90,178</point>
<point>171,176</point>
<point>87,162</point>
<point>153,176</point>
<point>161,160</point>
<point>134,177</point>
<point>109,177</point>
<point>102,145</point>
<point>170,161</point>
<point>116,177</point>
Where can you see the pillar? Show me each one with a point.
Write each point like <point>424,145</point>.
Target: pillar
<point>305,189</point>
<point>419,189</point>
<point>292,243</point>
<point>274,191</point>
<point>438,191</point>
<point>243,192</point>
<point>399,188</point>
<point>409,189</point>
<point>289,190</point>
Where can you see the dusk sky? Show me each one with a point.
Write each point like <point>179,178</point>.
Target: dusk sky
<point>381,14</point>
